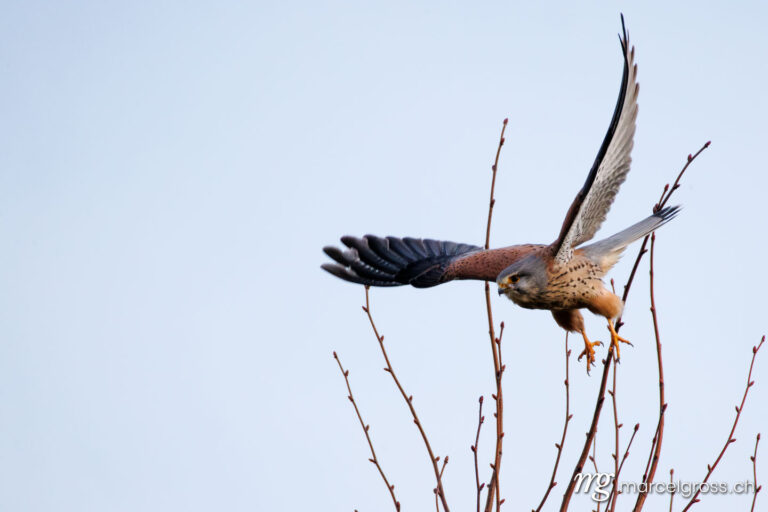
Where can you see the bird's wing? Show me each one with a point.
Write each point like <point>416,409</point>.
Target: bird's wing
<point>391,261</point>
<point>610,168</point>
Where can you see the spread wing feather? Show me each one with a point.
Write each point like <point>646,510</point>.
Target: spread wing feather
<point>390,261</point>
<point>588,210</point>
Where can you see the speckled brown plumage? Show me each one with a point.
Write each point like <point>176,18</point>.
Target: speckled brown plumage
<point>487,265</point>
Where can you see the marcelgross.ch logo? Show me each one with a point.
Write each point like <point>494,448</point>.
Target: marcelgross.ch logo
<point>600,486</point>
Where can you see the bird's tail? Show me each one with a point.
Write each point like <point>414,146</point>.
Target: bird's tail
<point>608,251</point>
<point>390,261</point>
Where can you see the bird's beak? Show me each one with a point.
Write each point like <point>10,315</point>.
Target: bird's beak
<point>501,290</point>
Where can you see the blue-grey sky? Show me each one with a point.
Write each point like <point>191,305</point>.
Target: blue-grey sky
<point>169,172</point>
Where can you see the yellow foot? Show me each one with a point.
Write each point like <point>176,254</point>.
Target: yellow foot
<point>615,339</point>
<point>589,350</point>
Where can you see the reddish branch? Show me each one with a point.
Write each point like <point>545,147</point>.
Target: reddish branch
<point>616,427</point>
<point>731,439</point>
<point>480,420</point>
<point>672,487</point>
<point>652,456</point>
<point>409,401</point>
<point>492,201</point>
<point>437,503</point>
<point>373,459</point>
<point>611,500</point>
<point>493,488</point>
<point>568,416</point>
<point>656,445</point>
<point>667,193</point>
<point>753,458</point>
<point>593,459</point>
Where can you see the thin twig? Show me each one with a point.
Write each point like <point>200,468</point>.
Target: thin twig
<point>492,201</point>
<point>493,487</point>
<point>609,359</point>
<point>753,458</point>
<point>656,448</point>
<point>409,401</point>
<point>474,448</point>
<point>731,439</point>
<point>653,444</point>
<point>593,458</point>
<point>668,191</point>
<point>437,503</point>
<point>373,459</point>
<point>499,499</point>
<point>568,416</point>
<point>623,459</point>
<point>673,490</point>
<point>616,427</point>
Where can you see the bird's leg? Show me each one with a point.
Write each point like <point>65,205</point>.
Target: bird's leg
<point>589,349</point>
<point>615,339</point>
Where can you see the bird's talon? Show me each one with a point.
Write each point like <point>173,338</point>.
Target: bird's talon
<point>589,351</point>
<point>615,339</point>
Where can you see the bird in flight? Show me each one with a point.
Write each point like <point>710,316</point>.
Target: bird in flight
<point>563,276</point>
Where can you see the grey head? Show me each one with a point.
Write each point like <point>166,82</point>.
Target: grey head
<point>525,281</point>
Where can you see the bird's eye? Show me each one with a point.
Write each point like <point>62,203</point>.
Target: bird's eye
<point>513,279</point>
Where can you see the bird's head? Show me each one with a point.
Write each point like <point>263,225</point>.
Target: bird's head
<point>523,281</point>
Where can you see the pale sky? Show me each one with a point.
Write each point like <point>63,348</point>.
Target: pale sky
<point>170,171</point>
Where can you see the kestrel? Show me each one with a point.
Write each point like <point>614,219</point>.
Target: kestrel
<point>562,276</point>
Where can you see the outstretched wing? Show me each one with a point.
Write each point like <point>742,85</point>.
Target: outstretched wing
<point>390,261</point>
<point>610,168</point>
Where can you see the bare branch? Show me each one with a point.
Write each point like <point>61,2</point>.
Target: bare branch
<point>593,458</point>
<point>669,191</point>
<point>474,448</point>
<point>753,458</point>
<point>442,469</point>
<point>409,401</point>
<point>656,446</point>
<point>492,201</point>
<point>731,439</point>
<point>672,487</point>
<point>568,416</point>
<point>493,488</point>
<point>616,427</point>
<point>618,471</point>
<point>374,459</point>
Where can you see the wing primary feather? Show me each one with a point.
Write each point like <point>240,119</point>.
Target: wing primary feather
<point>610,167</point>
<point>368,255</point>
<point>381,247</point>
<point>398,246</point>
<point>348,275</point>
<point>391,261</point>
<point>416,246</point>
